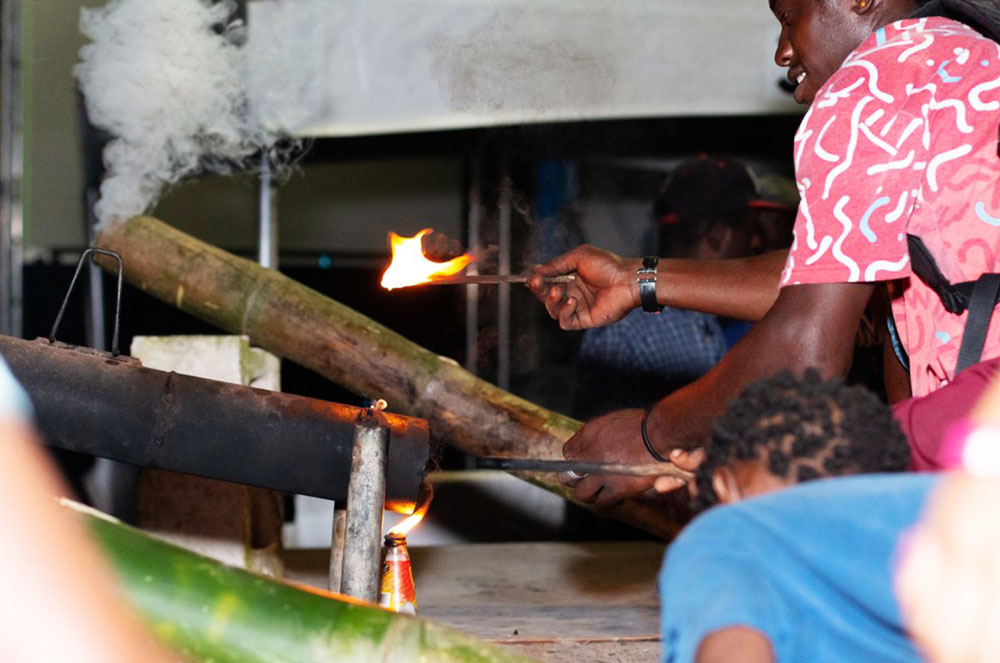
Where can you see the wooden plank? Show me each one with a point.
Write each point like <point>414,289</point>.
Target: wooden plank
<point>583,574</point>
<point>591,651</point>
<point>542,621</point>
<point>572,602</point>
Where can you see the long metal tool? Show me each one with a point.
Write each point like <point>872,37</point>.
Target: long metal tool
<point>582,467</point>
<point>486,279</point>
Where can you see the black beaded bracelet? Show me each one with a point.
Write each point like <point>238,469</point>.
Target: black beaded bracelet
<point>645,437</point>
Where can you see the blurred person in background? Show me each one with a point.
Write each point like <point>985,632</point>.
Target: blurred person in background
<point>708,208</point>
<point>58,599</point>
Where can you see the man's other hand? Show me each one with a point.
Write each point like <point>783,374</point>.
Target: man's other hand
<point>686,460</point>
<point>612,438</point>
<point>603,291</point>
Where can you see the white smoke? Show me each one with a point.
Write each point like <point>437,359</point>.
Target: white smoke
<point>166,79</point>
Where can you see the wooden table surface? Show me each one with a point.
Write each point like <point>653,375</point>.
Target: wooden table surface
<point>558,602</point>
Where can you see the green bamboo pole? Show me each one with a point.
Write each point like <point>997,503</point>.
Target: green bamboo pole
<point>298,323</point>
<point>210,612</point>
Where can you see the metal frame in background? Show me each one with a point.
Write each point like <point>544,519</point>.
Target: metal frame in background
<point>11,169</point>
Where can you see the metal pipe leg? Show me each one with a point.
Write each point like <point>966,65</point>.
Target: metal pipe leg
<point>365,504</point>
<point>337,548</point>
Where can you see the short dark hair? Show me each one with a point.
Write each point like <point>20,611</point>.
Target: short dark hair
<point>804,428</point>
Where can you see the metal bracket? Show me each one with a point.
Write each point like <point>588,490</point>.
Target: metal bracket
<point>118,297</point>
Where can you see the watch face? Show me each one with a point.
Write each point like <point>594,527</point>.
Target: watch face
<point>650,262</point>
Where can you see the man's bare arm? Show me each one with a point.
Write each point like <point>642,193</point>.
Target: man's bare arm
<point>741,288</point>
<point>808,326</point>
<point>605,287</point>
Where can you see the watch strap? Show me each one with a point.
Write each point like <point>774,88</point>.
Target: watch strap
<point>645,276</point>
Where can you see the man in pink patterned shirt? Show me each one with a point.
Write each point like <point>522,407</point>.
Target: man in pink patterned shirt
<point>901,138</point>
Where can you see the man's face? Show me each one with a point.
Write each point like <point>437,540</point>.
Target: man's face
<point>816,37</point>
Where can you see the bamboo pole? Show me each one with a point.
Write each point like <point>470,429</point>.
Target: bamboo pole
<point>300,324</point>
<point>207,611</point>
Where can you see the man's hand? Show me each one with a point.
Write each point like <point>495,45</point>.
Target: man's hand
<point>603,291</point>
<point>612,438</point>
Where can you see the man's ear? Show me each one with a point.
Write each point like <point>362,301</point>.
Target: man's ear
<point>724,485</point>
<point>862,7</point>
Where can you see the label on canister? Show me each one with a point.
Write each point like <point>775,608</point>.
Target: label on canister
<point>396,591</point>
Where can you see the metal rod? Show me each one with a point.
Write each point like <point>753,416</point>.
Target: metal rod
<point>365,505</point>
<point>503,292</point>
<point>72,283</point>
<point>11,167</point>
<point>486,279</point>
<point>583,467</point>
<point>267,241</point>
<point>472,292</point>
<point>97,338</point>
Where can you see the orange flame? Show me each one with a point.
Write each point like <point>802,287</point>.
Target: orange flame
<point>404,527</point>
<point>418,513</point>
<point>409,266</point>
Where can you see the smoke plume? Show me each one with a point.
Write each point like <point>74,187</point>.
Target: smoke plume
<point>166,79</point>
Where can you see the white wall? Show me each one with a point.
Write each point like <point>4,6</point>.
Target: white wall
<point>576,58</point>
<point>372,66</point>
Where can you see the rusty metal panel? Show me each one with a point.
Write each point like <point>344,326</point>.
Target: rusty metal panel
<point>91,402</point>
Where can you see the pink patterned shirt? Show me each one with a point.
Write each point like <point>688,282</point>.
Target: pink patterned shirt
<point>903,139</point>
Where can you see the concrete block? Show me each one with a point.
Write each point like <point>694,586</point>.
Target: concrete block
<point>237,525</point>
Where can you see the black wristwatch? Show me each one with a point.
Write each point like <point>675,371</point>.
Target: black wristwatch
<point>646,278</point>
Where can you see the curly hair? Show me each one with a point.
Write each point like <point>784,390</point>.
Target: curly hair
<point>803,429</point>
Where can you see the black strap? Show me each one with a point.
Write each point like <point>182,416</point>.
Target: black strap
<point>954,297</point>
<point>896,342</point>
<point>979,297</point>
<point>984,298</point>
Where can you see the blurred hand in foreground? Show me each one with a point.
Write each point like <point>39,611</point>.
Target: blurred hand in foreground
<point>60,600</point>
<point>948,582</point>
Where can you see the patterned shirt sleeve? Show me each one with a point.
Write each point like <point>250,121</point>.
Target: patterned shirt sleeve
<point>855,157</point>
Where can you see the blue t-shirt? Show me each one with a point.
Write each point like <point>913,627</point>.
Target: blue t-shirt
<point>811,567</point>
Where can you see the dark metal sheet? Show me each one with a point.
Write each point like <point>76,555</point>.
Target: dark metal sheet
<point>94,403</point>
